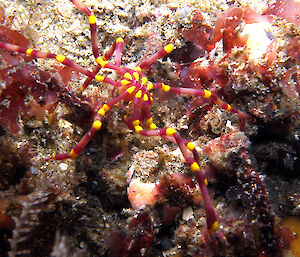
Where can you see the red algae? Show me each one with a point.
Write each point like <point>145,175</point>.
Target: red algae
<point>287,9</point>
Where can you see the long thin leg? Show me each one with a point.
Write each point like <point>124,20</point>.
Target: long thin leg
<point>206,94</point>
<point>93,25</point>
<point>184,146</point>
<point>97,124</point>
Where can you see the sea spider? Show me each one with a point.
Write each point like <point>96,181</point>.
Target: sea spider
<point>134,88</point>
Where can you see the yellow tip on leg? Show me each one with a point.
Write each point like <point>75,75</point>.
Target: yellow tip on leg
<point>169,48</point>
<point>119,40</point>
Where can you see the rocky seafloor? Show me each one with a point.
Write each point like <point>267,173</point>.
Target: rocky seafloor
<point>246,52</point>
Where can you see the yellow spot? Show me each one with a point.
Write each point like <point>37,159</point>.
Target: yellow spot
<point>152,126</point>
<point>127,75</point>
<point>207,94</point>
<point>138,129</point>
<point>194,166</point>
<point>60,58</point>
<point>92,19</point>
<point>135,123</point>
<point>228,107</point>
<point>170,131</point>
<point>119,40</point>
<point>99,78</point>
<point>169,48</point>
<point>145,98</point>
<point>138,94</point>
<point>190,146</point>
<point>29,51</point>
<point>97,124</point>
<point>149,86</point>
<point>151,99</point>
<point>136,76</point>
<point>101,112</point>
<point>165,88</point>
<point>106,107</point>
<point>149,121</point>
<point>205,182</point>
<point>214,227</point>
<point>82,88</point>
<point>73,154</point>
<point>144,80</point>
<point>137,69</point>
<point>101,62</point>
<point>125,82</point>
<point>130,90</point>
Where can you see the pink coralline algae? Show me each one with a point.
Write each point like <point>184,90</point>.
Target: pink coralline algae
<point>287,9</point>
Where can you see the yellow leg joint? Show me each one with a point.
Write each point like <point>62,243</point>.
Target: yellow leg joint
<point>92,19</point>
<point>136,75</point>
<point>214,227</point>
<point>152,126</point>
<point>149,121</point>
<point>29,51</point>
<point>106,107</point>
<point>73,154</point>
<point>119,40</point>
<point>60,58</point>
<point>136,123</point>
<point>145,98</point>
<point>130,90</point>
<point>194,167</point>
<point>190,146</point>
<point>99,78</point>
<point>207,94</point>
<point>170,131</point>
<point>127,75</point>
<point>169,48</point>
<point>165,88</point>
<point>144,80</point>
<point>149,86</point>
<point>101,62</point>
<point>125,82</point>
<point>97,124</point>
<point>138,94</point>
<point>138,129</point>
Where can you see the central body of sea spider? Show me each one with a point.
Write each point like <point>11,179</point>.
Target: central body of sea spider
<point>135,88</point>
